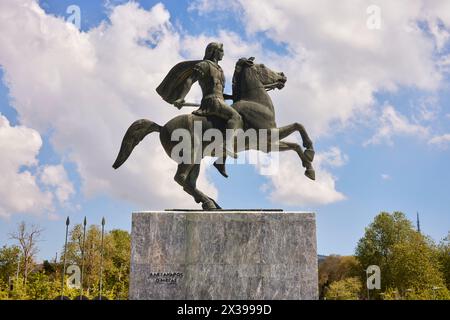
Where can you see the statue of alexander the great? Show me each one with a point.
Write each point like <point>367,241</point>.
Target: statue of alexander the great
<point>252,109</point>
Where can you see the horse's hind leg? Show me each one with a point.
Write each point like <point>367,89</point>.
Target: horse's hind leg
<point>181,177</point>
<point>186,177</point>
<point>307,142</point>
<point>192,181</point>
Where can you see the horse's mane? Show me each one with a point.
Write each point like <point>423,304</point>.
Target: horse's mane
<point>237,76</point>
<point>236,82</point>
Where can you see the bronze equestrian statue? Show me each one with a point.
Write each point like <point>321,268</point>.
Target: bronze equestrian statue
<point>252,109</point>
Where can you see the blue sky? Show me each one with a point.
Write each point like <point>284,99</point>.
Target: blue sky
<point>373,130</point>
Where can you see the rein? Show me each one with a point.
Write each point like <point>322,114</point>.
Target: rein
<point>267,87</point>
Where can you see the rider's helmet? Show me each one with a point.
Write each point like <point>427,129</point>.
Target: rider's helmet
<point>211,49</point>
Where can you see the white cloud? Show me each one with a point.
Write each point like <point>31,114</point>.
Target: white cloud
<point>335,66</point>
<point>335,63</point>
<point>19,191</point>
<point>289,186</point>
<point>392,123</point>
<point>333,157</point>
<point>440,141</point>
<point>88,87</point>
<point>440,34</point>
<point>427,109</point>
<point>444,64</point>
<point>207,6</point>
<point>385,176</point>
<point>56,176</point>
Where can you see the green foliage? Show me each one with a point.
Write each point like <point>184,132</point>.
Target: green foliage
<point>18,292</point>
<point>390,294</point>
<point>335,268</point>
<point>9,257</point>
<point>49,268</point>
<point>4,290</point>
<point>41,287</point>
<point>444,259</point>
<point>345,289</point>
<point>46,283</point>
<point>116,261</point>
<point>409,262</point>
<point>438,293</point>
<point>375,248</point>
<point>118,257</point>
<point>415,265</point>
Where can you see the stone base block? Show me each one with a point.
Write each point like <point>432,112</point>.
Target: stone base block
<point>223,255</point>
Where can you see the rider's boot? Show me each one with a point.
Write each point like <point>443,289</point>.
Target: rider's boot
<point>230,141</point>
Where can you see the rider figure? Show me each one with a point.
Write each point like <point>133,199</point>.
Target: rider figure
<point>211,79</point>
<point>176,85</point>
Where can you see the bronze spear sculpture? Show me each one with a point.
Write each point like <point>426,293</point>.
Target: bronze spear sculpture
<point>64,259</point>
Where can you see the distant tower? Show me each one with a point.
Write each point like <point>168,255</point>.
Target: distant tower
<point>418,222</point>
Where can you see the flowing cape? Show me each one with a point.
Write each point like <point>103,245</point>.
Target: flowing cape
<point>171,87</point>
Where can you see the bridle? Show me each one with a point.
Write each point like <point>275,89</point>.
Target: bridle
<point>267,87</point>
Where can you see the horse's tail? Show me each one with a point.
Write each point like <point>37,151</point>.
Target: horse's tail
<point>135,133</point>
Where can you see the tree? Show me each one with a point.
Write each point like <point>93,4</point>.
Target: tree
<point>91,259</point>
<point>41,287</point>
<point>375,248</point>
<point>118,256</point>
<point>444,259</point>
<point>46,283</point>
<point>9,261</point>
<point>4,295</point>
<point>49,268</point>
<point>116,260</point>
<point>345,289</point>
<point>415,267</point>
<point>408,260</point>
<point>335,268</point>
<point>28,245</point>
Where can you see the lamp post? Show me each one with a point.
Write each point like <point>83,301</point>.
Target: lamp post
<point>64,259</point>
<point>82,257</point>
<point>101,258</point>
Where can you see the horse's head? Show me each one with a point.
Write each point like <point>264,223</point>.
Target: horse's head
<point>250,75</point>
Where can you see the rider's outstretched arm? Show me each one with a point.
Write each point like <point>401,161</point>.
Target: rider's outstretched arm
<point>185,90</point>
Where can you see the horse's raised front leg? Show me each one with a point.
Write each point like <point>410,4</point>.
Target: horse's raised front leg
<point>307,142</point>
<point>285,146</point>
<point>186,177</point>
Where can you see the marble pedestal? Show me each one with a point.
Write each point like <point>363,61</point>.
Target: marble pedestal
<point>223,255</point>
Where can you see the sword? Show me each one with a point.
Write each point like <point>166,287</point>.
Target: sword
<point>187,104</point>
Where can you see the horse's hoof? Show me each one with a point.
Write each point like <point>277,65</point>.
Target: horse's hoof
<point>210,205</point>
<point>215,203</point>
<point>309,154</point>
<point>310,173</point>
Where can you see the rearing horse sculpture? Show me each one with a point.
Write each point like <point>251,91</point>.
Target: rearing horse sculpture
<point>251,82</point>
